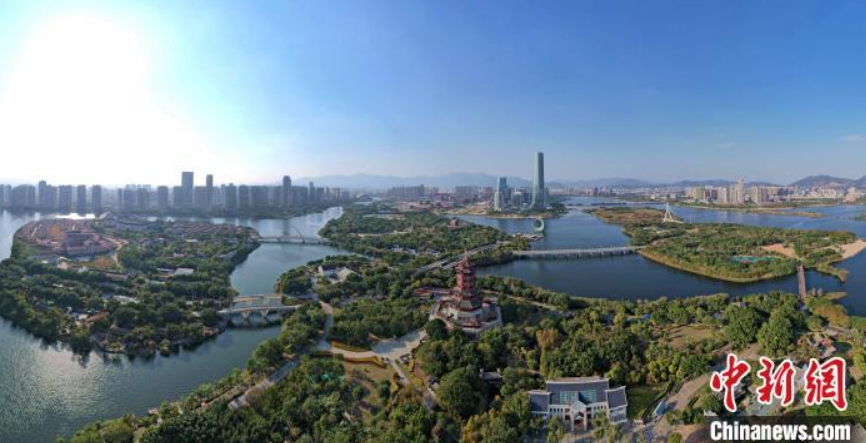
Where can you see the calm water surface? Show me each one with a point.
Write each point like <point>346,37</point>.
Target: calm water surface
<point>633,277</point>
<point>45,391</point>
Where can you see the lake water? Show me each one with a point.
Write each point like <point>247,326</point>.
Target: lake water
<point>633,277</point>
<point>45,391</point>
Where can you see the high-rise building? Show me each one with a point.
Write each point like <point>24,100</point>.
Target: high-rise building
<point>277,197</point>
<point>209,192</point>
<point>21,197</point>
<point>200,197</point>
<point>500,196</point>
<point>287,191</point>
<point>96,198</point>
<point>539,193</point>
<point>231,197</point>
<point>64,199</point>
<point>739,193</point>
<point>187,181</point>
<point>759,195</point>
<point>43,195</point>
<point>142,198</point>
<point>81,198</point>
<point>177,199</point>
<point>243,197</point>
<point>259,196</point>
<point>162,198</point>
<point>2,196</point>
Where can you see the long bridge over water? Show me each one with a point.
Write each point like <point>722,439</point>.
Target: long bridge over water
<point>576,252</point>
<point>293,239</point>
<point>256,309</point>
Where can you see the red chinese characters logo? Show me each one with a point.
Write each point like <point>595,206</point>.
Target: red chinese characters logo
<point>727,380</point>
<point>826,381</point>
<point>778,383</point>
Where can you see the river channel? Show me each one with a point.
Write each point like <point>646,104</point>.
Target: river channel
<point>45,391</point>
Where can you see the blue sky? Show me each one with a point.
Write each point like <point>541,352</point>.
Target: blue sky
<point>252,90</point>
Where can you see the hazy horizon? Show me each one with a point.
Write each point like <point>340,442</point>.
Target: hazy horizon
<point>135,92</point>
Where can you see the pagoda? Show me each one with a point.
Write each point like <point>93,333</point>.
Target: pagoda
<point>465,307</point>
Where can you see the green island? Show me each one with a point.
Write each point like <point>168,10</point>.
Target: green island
<point>125,286</point>
<point>455,387</point>
<point>775,209</point>
<point>732,252</point>
<point>417,238</point>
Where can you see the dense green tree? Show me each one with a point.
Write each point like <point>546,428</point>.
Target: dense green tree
<point>742,325</point>
<point>462,392</point>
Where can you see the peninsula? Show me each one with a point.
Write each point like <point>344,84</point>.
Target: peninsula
<point>732,252</point>
<point>122,285</point>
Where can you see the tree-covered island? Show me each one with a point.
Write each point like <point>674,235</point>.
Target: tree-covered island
<point>122,285</point>
<point>732,252</point>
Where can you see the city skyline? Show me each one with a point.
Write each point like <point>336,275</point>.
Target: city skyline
<point>614,89</point>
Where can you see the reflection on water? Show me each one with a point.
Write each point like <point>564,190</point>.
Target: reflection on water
<point>47,391</point>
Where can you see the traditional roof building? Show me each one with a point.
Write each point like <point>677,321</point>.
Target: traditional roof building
<point>577,400</point>
<point>464,308</point>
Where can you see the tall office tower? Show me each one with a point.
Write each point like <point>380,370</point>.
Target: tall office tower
<point>96,198</point>
<point>311,193</point>
<point>539,198</point>
<point>287,191</point>
<point>64,200</point>
<point>162,198</point>
<point>43,195</point>
<point>81,198</point>
<point>500,197</point>
<point>2,196</point>
<point>187,182</point>
<point>243,197</point>
<point>119,203</point>
<point>209,192</point>
<point>231,197</point>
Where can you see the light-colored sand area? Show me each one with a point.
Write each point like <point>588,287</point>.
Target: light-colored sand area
<point>848,250</point>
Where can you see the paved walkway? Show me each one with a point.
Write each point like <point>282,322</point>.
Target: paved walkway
<point>390,350</point>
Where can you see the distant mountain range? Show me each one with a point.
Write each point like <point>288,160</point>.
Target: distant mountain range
<point>372,182</point>
<point>827,181</point>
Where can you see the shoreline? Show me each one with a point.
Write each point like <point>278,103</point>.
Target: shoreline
<point>781,210</point>
<point>665,262</point>
<point>848,250</point>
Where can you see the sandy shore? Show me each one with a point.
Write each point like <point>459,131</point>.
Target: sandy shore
<point>849,250</point>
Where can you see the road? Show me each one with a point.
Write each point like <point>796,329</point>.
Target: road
<point>450,262</point>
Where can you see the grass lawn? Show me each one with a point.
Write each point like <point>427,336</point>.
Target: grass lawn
<point>681,336</point>
<point>368,377</point>
<point>640,397</point>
